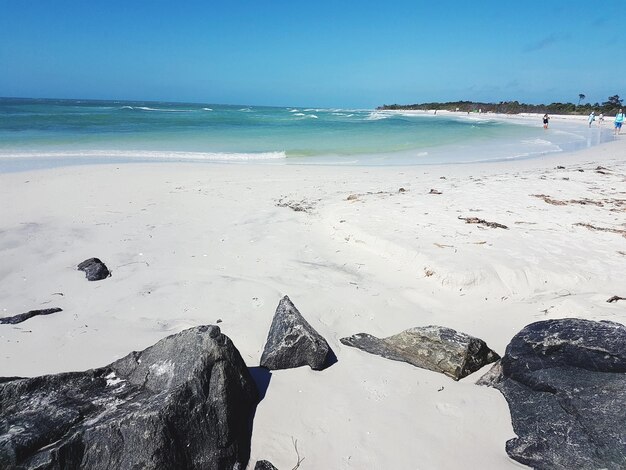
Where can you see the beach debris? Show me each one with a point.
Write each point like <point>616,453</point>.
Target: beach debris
<point>618,203</point>
<point>581,170</point>
<point>565,383</point>
<point>94,269</point>
<point>582,202</point>
<point>602,229</point>
<point>264,465</point>
<point>441,245</point>
<point>185,402</point>
<point>560,167</point>
<point>352,197</point>
<point>298,458</point>
<point>402,190</point>
<point>615,298</point>
<point>476,220</point>
<point>293,342</point>
<point>549,200</point>
<point>14,320</point>
<point>434,191</point>
<point>428,272</point>
<point>602,170</point>
<point>297,206</point>
<point>435,348</point>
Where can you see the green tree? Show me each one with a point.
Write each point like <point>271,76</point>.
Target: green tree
<point>614,101</point>
<point>581,97</point>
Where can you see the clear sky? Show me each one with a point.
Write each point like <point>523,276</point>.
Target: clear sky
<point>313,53</point>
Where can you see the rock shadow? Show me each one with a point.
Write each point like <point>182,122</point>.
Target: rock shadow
<point>331,358</point>
<point>262,378</point>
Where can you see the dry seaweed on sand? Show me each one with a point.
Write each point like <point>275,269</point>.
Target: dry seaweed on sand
<point>602,229</point>
<point>298,206</point>
<point>476,220</point>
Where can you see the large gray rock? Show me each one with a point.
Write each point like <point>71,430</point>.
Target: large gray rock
<point>434,348</point>
<point>184,403</point>
<point>94,269</point>
<point>565,382</point>
<point>292,342</point>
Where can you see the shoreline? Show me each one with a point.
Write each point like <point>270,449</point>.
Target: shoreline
<point>570,137</point>
<point>194,244</point>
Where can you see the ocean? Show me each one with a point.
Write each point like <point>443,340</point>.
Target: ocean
<point>37,133</point>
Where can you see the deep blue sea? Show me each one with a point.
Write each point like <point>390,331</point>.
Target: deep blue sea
<point>42,133</point>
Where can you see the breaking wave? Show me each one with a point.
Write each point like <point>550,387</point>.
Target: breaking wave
<point>149,154</point>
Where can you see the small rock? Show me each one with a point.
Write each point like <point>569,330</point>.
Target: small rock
<point>95,270</point>
<point>264,465</point>
<point>401,190</point>
<point>352,197</point>
<point>434,191</point>
<point>560,167</point>
<point>292,342</point>
<point>434,348</point>
<point>25,316</point>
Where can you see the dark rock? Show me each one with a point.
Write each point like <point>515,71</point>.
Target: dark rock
<point>94,269</point>
<point>434,348</point>
<point>565,383</point>
<point>292,342</point>
<point>264,465</point>
<point>184,403</point>
<point>434,191</point>
<point>25,316</point>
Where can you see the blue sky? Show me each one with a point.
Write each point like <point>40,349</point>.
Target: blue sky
<point>322,53</point>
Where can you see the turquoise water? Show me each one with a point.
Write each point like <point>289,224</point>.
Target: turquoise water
<point>77,131</point>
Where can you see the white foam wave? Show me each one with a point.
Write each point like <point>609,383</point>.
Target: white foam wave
<point>164,110</point>
<point>312,116</point>
<point>537,142</point>
<point>150,154</point>
<point>294,110</point>
<point>207,109</point>
<point>299,114</point>
<point>246,110</point>
<point>376,116</point>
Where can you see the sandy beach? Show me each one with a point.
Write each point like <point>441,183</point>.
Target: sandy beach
<point>357,249</point>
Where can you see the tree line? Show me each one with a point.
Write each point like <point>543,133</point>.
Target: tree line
<point>609,107</point>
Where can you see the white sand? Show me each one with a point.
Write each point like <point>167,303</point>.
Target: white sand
<point>189,244</point>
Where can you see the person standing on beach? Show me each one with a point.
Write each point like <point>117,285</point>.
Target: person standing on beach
<point>619,120</point>
<point>600,120</point>
<point>592,117</point>
<point>546,119</point>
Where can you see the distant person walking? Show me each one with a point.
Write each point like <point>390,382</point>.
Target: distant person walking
<point>619,120</point>
<point>600,120</point>
<point>592,117</point>
<point>546,120</point>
